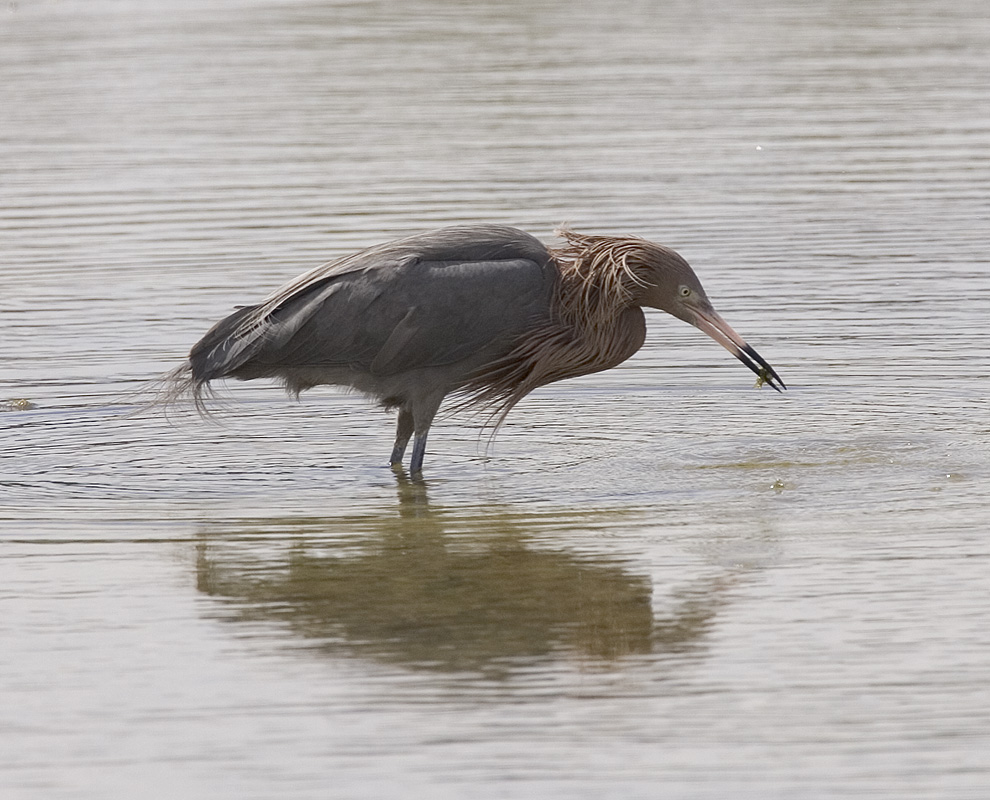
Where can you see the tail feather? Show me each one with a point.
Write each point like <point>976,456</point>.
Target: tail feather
<point>174,388</point>
<point>223,349</point>
<point>170,392</point>
<point>216,355</point>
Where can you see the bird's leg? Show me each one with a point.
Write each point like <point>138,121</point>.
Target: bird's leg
<point>422,416</point>
<point>419,450</point>
<point>403,432</point>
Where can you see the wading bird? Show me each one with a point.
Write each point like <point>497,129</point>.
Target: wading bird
<point>483,311</point>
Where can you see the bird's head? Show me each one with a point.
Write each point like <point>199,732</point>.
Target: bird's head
<point>667,282</point>
<point>617,272</point>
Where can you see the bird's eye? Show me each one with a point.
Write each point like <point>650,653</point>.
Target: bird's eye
<point>684,291</point>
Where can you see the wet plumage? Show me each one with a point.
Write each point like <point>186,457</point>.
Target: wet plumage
<point>485,312</point>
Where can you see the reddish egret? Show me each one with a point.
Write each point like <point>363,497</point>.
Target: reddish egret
<point>483,311</point>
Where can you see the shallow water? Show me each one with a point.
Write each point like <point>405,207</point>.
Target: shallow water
<point>656,581</point>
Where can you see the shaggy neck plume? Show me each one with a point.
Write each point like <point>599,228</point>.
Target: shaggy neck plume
<point>595,324</point>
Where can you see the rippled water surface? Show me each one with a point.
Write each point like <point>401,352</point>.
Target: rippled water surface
<point>656,581</point>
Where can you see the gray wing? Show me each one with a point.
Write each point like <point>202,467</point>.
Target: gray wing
<point>424,314</point>
<point>428,300</point>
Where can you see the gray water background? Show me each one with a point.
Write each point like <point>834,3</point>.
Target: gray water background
<point>657,581</point>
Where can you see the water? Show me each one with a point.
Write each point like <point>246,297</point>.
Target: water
<point>657,581</point>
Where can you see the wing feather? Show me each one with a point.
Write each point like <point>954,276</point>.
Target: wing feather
<point>427,299</point>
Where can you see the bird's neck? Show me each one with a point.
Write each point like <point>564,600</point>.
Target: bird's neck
<point>592,326</point>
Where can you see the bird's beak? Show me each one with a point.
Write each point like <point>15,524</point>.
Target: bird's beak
<point>708,321</point>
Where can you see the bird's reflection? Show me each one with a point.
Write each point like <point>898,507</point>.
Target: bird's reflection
<point>452,590</point>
